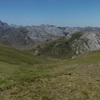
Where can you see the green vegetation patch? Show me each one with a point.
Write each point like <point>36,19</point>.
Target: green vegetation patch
<point>49,79</point>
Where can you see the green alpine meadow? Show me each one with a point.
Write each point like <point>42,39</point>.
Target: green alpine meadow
<point>27,77</point>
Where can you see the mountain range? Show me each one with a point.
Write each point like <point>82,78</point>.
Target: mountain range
<point>55,39</point>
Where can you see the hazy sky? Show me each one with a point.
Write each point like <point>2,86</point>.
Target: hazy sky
<point>57,12</point>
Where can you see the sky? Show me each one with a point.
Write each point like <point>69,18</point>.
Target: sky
<point>72,13</point>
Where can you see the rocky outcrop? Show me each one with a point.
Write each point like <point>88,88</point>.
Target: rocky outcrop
<point>87,42</point>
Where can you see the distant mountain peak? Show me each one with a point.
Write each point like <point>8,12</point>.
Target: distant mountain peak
<point>3,25</point>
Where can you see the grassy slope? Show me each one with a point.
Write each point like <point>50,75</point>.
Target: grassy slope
<point>75,79</point>
<point>14,56</point>
<point>61,47</point>
<point>58,48</point>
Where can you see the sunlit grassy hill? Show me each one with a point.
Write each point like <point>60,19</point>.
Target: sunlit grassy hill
<point>27,77</point>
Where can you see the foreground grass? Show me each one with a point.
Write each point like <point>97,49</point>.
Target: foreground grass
<point>77,79</point>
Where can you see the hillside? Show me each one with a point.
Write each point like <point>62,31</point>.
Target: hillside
<point>27,77</point>
<point>58,48</point>
<point>70,46</point>
<point>17,57</point>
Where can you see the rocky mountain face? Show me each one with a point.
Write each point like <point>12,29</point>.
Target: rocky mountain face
<point>88,41</point>
<point>15,37</point>
<point>44,32</point>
